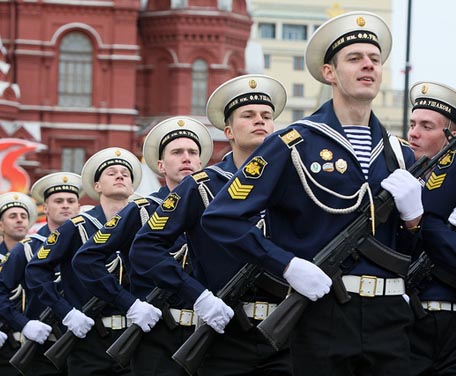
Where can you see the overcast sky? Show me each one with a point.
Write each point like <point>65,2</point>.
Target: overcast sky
<point>432,43</point>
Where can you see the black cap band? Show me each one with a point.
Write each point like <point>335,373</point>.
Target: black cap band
<point>433,104</point>
<point>61,188</point>
<point>246,99</point>
<point>179,133</point>
<point>14,204</point>
<point>112,162</point>
<point>357,36</point>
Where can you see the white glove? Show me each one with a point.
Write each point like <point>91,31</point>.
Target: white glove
<point>307,278</point>
<point>78,323</point>
<point>452,217</point>
<point>36,331</point>
<point>3,338</point>
<point>213,311</point>
<point>406,191</point>
<point>144,315</point>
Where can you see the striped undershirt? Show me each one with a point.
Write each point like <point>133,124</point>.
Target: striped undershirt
<point>361,140</point>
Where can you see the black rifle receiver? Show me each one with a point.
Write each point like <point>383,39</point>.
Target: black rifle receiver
<point>352,241</point>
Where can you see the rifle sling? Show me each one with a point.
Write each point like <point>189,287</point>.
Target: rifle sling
<point>384,256</point>
<point>272,284</point>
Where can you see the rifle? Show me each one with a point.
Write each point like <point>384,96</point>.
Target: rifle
<point>192,352</point>
<point>10,337</point>
<point>419,273</point>
<point>23,357</point>
<point>59,351</point>
<point>123,347</point>
<point>349,243</point>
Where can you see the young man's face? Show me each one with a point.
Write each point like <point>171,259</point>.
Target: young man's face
<point>14,223</point>
<point>61,206</point>
<point>356,72</point>
<point>425,134</point>
<point>115,182</point>
<point>249,125</point>
<point>180,158</point>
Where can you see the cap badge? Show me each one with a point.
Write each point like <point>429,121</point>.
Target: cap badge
<point>15,197</point>
<point>180,123</point>
<point>65,179</point>
<point>424,89</point>
<point>252,84</point>
<point>117,153</point>
<point>326,155</point>
<point>361,21</point>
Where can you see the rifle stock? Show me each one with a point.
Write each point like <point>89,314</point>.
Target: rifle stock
<point>193,351</point>
<point>59,351</point>
<point>278,326</point>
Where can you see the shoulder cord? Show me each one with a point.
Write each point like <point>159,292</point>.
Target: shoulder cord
<point>303,172</point>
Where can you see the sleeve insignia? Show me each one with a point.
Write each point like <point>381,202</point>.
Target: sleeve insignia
<point>200,176</point>
<point>100,238</point>
<point>156,222</point>
<point>239,191</point>
<point>43,253</point>
<point>78,220</point>
<point>169,204</point>
<point>447,160</point>
<point>52,239</point>
<point>435,181</point>
<point>112,223</point>
<point>254,168</point>
<point>141,201</point>
<point>291,138</point>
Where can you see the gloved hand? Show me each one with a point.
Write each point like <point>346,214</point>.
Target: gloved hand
<point>452,217</point>
<point>78,323</point>
<point>213,311</point>
<point>307,278</point>
<point>3,338</point>
<point>406,191</point>
<point>144,315</point>
<point>36,331</point>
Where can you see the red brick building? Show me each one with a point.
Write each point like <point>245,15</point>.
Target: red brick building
<point>81,75</point>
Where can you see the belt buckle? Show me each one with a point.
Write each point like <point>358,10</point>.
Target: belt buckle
<point>260,310</point>
<point>186,317</point>
<point>367,286</point>
<point>117,322</point>
<point>434,306</point>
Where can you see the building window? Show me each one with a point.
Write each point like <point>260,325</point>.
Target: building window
<point>267,30</point>
<point>73,159</point>
<point>267,61</point>
<point>298,90</point>
<point>294,32</point>
<point>298,63</point>
<point>199,87</point>
<point>75,71</point>
<point>297,115</point>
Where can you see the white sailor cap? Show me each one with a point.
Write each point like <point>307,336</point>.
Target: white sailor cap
<point>170,129</point>
<point>434,96</point>
<point>341,31</point>
<point>18,200</point>
<point>101,160</point>
<point>56,183</point>
<point>242,91</point>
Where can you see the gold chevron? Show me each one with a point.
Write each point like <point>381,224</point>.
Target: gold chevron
<point>100,238</point>
<point>239,191</point>
<point>156,222</point>
<point>43,253</point>
<point>435,181</point>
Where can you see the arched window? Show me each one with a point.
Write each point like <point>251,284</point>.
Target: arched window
<point>199,87</point>
<point>75,71</point>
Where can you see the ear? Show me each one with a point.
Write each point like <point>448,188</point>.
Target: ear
<point>328,72</point>
<point>160,166</point>
<point>45,209</point>
<point>97,187</point>
<point>228,130</point>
